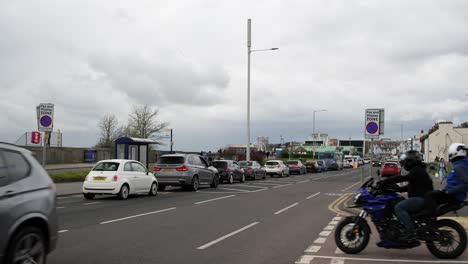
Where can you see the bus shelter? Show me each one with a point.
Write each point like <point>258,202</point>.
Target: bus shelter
<point>133,149</point>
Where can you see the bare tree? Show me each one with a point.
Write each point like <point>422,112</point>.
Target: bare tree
<point>110,130</point>
<point>143,123</point>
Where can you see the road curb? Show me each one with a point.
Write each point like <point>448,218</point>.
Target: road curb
<point>68,194</point>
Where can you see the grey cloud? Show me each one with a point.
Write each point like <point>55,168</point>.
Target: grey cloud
<point>162,80</point>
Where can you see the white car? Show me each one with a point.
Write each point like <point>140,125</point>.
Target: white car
<point>119,177</point>
<point>276,167</point>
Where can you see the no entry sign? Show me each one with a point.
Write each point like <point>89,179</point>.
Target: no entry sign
<point>374,123</point>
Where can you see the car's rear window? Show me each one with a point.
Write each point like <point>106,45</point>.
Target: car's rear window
<point>220,164</point>
<point>272,163</point>
<point>292,162</point>
<point>391,165</point>
<point>320,162</point>
<point>106,166</point>
<point>171,160</point>
<point>245,163</point>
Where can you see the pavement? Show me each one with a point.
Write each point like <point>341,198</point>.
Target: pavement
<point>277,220</point>
<point>55,168</point>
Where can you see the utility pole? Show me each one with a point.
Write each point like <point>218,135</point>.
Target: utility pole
<point>172,142</point>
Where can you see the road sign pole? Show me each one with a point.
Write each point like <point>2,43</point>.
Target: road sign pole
<point>44,149</point>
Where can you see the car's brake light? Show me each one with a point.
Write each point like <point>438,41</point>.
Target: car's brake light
<point>295,166</point>
<point>115,178</point>
<point>183,168</point>
<point>279,166</point>
<point>155,168</point>
<point>249,170</point>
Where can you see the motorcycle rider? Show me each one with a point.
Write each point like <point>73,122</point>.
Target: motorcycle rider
<point>419,184</point>
<point>456,188</point>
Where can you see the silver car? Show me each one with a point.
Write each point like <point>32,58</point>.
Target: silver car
<point>28,219</point>
<point>276,167</point>
<point>186,170</point>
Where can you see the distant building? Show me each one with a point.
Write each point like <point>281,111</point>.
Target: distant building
<point>240,148</point>
<point>332,142</point>
<point>436,142</point>
<point>317,139</point>
<point>357,144</point>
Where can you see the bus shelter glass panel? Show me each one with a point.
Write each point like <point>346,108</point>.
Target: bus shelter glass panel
<point>121,151</point>
<point>143,149</point>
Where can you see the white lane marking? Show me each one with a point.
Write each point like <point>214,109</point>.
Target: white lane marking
<point>313,195</point>
<point>259,190</point>
<point>63,231</point>
<point>391,260</point>
<point>286,208</point>
<point>325,233</point>
<point>329,228</point>
<point>249,186</point>
<point>68,197</point>
<point>279,186</point>
<point>313,249</point>
<point>337,261</point>
<point>320,240</point>
<point>338,251</point>
<point>351,186</point>
<point>91,203</point>
<point>138,215</point>
<point>266,183</point>
<point>207,245</point>
<point>230,189</point>
<point>305,260</point>
<point>302,181</point>
<point>337,218</point>
<point>334,222</point>
<point>219,198</point>
<point>60,207</point>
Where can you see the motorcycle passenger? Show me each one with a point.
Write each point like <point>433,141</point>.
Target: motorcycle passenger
<point>419,184</point>
<point>456,188</point>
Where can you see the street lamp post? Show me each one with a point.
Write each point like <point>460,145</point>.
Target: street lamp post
<point>249,51</point>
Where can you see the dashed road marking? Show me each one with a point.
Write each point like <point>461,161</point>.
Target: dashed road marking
<point>286,208</point>
<point>312,196</point>
<point>338,251</point>
<point>138,215</point>
<point>320,240</point>
<point>231,189</point>
<point>334,222</point>
<point>351,186</point>
<point>279,186</point>
<point>325,233</point>
<point>63,231</point>
<point>207,245</point>
<point>302,181</point>
<point>305,259</point>
<point>91,203</point>
<point>329,228</point>
<point>337,218</point>
<point>337,261</point>
<point>313,249</point>
<point>60,207</point>
<point>389,260</point>
<point>219,198</point>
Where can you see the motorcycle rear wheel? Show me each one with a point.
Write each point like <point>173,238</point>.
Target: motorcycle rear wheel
<point>352,235</point>
<point>452,237</point>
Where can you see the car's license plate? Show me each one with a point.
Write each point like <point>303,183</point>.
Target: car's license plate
<point>167,169</point>
<point>99,178</point>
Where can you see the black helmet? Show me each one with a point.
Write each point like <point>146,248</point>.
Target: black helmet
<point>410,159</point>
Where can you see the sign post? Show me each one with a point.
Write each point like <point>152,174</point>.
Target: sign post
<point>45,123</point>
<point>373,128</point>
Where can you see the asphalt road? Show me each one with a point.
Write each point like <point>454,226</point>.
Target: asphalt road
<point>268,221</point>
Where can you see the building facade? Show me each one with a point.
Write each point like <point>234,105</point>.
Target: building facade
<point>440,136</point>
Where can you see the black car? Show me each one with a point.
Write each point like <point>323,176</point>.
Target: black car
<point>312,167</point>
<point>252,170</point>
<point>229,171</point>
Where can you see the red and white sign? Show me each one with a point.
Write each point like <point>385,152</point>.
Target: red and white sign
<point>35,137</point>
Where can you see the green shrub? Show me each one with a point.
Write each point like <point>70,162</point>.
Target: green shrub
<point>69,176</point>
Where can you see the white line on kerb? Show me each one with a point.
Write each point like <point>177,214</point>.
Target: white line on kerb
<point>219,198</point>
<point>313,195</point>
<point>286,208</point>
<point>337,261</point>
<point>279,186</point>
<point>391,260</point>
<point>138,215</point>
<point>63,231</point>
<point>207,245</point>
<point>91,203</point>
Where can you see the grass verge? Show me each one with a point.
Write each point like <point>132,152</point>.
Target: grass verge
<point>69,176</point>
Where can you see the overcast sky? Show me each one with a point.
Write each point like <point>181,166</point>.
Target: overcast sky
<point>188,58</point>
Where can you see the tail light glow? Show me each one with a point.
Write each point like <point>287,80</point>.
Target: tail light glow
<point>155,168</point>
<point>279,166</point>
<point>115,178</point>
<point>183,168</point>
<point>295,166</point>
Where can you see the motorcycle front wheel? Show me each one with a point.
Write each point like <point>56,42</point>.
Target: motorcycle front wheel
<point>450,239</point>
<point>352,235</point>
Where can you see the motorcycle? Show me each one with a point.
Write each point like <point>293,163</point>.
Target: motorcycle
<point>444,238</point>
